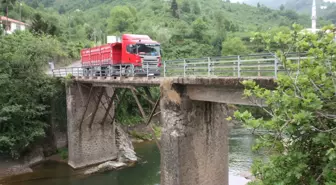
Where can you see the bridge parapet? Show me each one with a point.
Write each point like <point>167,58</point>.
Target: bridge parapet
<point>258,65</point>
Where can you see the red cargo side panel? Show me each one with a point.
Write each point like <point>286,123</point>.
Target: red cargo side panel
<point>95,56</point>
<point>116,53</point>
<point>85,57</point>
<point>106,52</point>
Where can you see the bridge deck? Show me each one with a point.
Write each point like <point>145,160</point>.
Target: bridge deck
<point>267,82</point>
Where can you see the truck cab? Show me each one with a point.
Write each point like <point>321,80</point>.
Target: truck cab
<point>142,52</point>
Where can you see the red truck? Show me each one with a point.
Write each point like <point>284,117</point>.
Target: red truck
<point>134,55</point>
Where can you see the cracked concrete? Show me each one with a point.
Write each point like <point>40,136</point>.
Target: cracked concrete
<point>194,142</point>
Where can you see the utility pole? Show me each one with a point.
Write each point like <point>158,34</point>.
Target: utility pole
<point>7,25</point>
<point>69,28</point>
<point>20,11</point>
<point>314,14</point>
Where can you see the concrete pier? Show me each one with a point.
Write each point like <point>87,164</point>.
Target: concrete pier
<point>194,140</point>
<point>91,138</point>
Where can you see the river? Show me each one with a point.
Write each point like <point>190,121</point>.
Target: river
<point>146,172</point>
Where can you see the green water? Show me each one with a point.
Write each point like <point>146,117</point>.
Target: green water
<point>146,172</point>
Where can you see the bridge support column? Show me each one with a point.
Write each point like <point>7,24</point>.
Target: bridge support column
<point>91,134</point>
<point>194,140</point>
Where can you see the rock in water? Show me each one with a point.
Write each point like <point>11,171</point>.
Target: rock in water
<point>126,150</point>
<point>17,170</point>
<point>111,165</point>
<point>35,156</point>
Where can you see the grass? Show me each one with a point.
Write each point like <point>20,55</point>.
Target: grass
<point>63,153</point>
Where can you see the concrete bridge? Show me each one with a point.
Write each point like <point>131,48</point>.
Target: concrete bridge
<point>194,100</point>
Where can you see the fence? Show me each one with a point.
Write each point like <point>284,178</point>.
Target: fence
<point>259,65</point>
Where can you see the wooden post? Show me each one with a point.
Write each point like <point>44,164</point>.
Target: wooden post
<point>86,106</point>
<point>119,102</point>
<point>110,105</point>
<point>138,103</point>
<point>96,107</point>
<point>149,123</point>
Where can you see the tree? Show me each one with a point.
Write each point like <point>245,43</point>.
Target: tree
<point>174,9</point>
<point>282,7</point>
<point>61,10</point>
<point>199,28</point>
<point>122,19</point>
<point>302,128</point>
<point>234,46</point>
<point>185,7</point>
<point>8,4</point>
<point>221,30</point>
<point>25,89</point>
<point>258,5</point>
<point>44,25</point>
<point>196,8</point>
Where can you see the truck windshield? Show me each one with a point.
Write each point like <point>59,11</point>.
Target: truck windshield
<point>148,49</point>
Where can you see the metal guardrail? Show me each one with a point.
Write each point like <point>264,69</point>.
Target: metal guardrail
<point>259,65</point>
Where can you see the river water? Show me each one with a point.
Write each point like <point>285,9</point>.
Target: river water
<point>146,172</point>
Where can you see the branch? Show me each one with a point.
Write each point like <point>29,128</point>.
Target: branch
<point>260,106</point>
<point>324,131</point>
<point>327,115</point>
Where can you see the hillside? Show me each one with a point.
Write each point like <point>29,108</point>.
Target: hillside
<point>185,28</point>
<point>326,9</point>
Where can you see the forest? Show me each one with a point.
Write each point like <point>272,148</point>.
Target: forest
<point>185,28</point>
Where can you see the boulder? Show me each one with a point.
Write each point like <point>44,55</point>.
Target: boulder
<point>247,175</point>
<point>35,156</point>
<point>126,150</point>
<point>108,166</point>
<point>17,170</point>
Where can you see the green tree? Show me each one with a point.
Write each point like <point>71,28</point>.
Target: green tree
<point>174,9</point>
<point>61,10</point>
<point>199,28</point>
<point>185,7</point>
<point>25,89</point>
<point>282,7</point>
<point>302,128</point>
<point>234,46</point>
<point>220,30</point>
<point>196,8</point>
<point>8,4</point>
<point>44,25</point>
<point>122,19</point>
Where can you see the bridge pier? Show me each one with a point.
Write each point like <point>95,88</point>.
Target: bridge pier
<point>194,139</point>
<point>91,132</point>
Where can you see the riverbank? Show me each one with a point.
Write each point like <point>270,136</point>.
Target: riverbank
<point>56,169</point>
<point>146,171</point>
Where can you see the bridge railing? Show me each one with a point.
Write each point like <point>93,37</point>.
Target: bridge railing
<point>267,65</point>
<point>258,65</point>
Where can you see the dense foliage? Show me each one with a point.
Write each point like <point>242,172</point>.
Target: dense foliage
<point>186,28</point>
<point>25,89</point>
<point>301,112</point>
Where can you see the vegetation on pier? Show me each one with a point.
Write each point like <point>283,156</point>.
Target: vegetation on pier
<point>301,112</point>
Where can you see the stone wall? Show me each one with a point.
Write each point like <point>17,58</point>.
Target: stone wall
<point>194,140</point>
<point>88,146</point>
